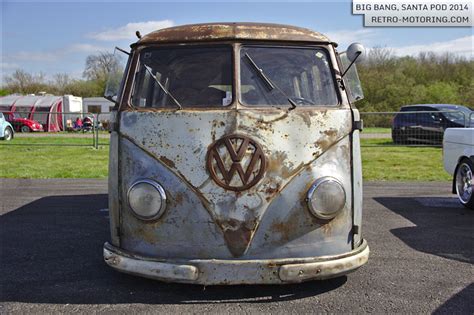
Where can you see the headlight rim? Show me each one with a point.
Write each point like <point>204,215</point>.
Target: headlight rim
<point>160,190</point>
<point>318,182</point>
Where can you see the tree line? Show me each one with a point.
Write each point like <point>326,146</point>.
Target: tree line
<point>97,67</point>
<point>388,81</point>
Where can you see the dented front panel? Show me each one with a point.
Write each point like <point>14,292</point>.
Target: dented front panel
<point>204,220</point>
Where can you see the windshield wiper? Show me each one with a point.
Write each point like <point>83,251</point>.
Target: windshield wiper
<point>162,87</point>
<point>269,83</point>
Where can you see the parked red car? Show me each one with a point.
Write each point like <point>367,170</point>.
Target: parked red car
<point>22,124</point>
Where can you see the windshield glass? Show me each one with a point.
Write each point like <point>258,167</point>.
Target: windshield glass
<point>194,76</point>
<point>21,114</point>
<point>458,113</point>
<point>302,74</point>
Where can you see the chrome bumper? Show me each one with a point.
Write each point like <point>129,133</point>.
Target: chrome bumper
<point>217,272</point>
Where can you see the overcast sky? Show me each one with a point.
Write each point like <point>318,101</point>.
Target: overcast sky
<point>56,37</point>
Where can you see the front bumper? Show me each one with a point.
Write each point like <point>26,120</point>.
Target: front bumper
<point>216,271</point>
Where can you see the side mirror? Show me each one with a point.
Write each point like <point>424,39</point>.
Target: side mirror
<point>355,51</point>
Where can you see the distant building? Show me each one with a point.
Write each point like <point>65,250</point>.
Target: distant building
<point>49,110</point>
<point>98,105</point>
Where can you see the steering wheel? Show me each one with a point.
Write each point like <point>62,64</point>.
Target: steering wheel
<point>302,101</point>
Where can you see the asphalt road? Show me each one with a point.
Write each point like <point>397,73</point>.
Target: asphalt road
<point>52,231</point>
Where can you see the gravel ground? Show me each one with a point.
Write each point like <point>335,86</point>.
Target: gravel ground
<point>52,232</point>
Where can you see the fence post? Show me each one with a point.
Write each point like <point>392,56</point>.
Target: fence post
<point>97,131</point>
<point>93,134</point>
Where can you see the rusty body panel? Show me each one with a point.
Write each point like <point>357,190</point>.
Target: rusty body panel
<point>236,180</point>
<point>291,145</point>
<point>232,31</point>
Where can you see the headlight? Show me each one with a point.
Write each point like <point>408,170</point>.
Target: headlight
<point>147,199</point>
<point>326,198</point>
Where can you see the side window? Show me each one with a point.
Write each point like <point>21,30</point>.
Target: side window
<point>426,115</point>
<point>351,79</point>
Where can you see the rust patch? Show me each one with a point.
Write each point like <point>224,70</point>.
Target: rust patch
<point>286,172</point>
<point>237,235</point>
<point>332,133</point>
<point>276,119</point>
<point>329,137</point>
<point>277,166</point>
<point>167,162</point>
<point>328,226</point>
<point>272,188</point>
<point>271,264</point>
<point>113,260</point>
<point>232,31</point>
<point>323,144</point>
<point>306,119</point>
<point>288,229</point>
<point>248,129</point>
<point>262,125</point>
<point>276,162</point>
<point>217,123</point>
<point>179,198</point>
<point>282,229</point>
<point>146,234</point>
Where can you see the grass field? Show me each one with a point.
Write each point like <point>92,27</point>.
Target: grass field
<point>76,160</point>
<point>377,130</point>
<point>79,160</point>
<point>382,162</point>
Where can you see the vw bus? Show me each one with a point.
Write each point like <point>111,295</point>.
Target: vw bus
<point>235,157</point>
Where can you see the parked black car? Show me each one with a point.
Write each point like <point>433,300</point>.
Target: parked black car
<point>426,123</point>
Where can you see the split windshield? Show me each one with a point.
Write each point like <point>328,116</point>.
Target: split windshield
<point>193,76</point>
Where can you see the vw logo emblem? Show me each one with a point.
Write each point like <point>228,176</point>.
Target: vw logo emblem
<point>236,154</point>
